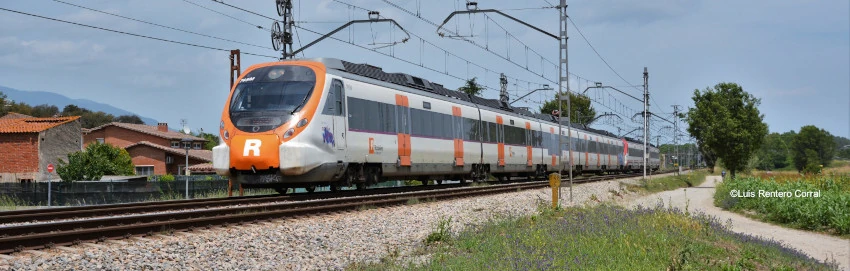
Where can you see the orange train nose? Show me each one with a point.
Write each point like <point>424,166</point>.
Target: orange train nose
<point>259,151</point>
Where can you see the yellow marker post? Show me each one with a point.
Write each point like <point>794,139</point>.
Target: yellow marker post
<point>555,184</point>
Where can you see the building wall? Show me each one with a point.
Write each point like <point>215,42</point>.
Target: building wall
<point>56,144</point>
<point>18,156</point>
<point>149,156</point>
<point>123,137</point>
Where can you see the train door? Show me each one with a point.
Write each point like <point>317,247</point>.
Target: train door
<point>528,139</point>
<point>500,139</point>
<point>457,135</point>
<point>404,129</point>
<point>337,97</point>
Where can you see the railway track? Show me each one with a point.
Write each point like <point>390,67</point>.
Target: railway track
<point>97,226</point>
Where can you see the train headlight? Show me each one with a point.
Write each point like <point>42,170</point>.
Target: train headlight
<point>301,123</point>
<point>226,135</point>
<point>288,133</point>
<point>221,125</point>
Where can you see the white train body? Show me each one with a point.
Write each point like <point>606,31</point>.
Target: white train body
<point>361,125</point>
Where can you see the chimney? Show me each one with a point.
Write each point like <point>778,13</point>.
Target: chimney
<point>162,127</point>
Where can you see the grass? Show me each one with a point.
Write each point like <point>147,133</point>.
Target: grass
<point>828,212</point>
<point>442,233</point>
<point>695,178</point>
<point>8,203</point>
<point>606,237</point>
<point>219,193</point>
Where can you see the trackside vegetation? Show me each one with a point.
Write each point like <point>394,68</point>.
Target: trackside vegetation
<point>828,212</point>
<point>656,184</point>
<point>606,237</point>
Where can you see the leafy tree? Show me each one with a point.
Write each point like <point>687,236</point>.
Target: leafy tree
<point>583,111</point>
<point>18,107</point>
<point>73,110</point>
<point>726,121</point>
<point>773,153</point>
<point>97,160</point>
<point>471,87</point>
<point>134,119</point>
<point>840,150</point>
<point>708,156</point>
<point>811,148</point>
<point>212,140</point>
<point>843,153</point>
<point>44,111</point>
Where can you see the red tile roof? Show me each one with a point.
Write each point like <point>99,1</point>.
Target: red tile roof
<point>32,125</point>
<point>13,115</point>
<point>148,129</point>
<point>202,168</point>
<point>203,155</point>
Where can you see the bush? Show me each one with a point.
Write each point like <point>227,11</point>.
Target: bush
<point>166,178</point>
<point>829,212</point>
<point>443,232</point>
<point>97,160</point>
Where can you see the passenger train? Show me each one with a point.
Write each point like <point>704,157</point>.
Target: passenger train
<point>308,123</point>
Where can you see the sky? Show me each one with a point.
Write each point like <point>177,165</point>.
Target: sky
<point>793,55</point>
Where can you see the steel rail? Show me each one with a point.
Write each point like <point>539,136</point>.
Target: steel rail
<point>44,235</point>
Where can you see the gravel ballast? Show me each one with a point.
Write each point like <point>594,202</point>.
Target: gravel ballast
<point>320,242</point>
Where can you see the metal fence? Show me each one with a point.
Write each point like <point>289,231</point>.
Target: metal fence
<point>110,192</point>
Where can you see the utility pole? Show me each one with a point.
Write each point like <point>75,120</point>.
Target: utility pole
<point>503,91</point>
<point>235,69</point>
<point>284,9</point>
<point>564,79</point>
<point>645,120</point>
<point>676,134</point>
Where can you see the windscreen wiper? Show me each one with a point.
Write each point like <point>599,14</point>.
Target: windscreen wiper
<point>304,101</point>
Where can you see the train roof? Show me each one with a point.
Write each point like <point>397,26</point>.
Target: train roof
<point>407,80</point>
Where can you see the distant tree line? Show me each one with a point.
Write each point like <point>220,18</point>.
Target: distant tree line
<point>88,119</point>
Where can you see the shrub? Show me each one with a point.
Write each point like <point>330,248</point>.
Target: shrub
<point>166,178</point>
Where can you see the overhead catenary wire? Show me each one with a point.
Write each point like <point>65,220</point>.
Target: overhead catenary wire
<point>160,25</point>
<point>131,34</point>
<point>467,40</point>
<point>606,62</point>
<point>424,41</point>
<point>231,17</point>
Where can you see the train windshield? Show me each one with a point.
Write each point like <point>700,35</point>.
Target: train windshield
<point>266,97</point>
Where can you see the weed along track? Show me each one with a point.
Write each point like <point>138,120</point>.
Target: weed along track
<point>100,223</point>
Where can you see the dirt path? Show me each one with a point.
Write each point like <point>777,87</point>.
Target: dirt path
<point>701,198</point>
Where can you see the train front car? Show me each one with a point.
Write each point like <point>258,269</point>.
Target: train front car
<point>267,127</point>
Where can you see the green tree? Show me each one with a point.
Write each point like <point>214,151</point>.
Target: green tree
<point>212,140</point>
<point>471,87</point>
<point>583,111</point>
<point>96,160</point>
<point>134,119</point>
<point>843,153</point>
<point>773,153</point>
<point>726,121</point>
<point>44,111</point>
<point>708,156</point>
<point>811,148</point>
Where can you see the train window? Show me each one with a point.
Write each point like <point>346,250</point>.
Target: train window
<point>415,122</point>
<point>372,116</point>
<point>426,105</point>
<point>448,128</point>
<point>472,129</point>
<point>356,118</point>
<point>388,118</point>
<point>435,122</point>
<point>417,119</point>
